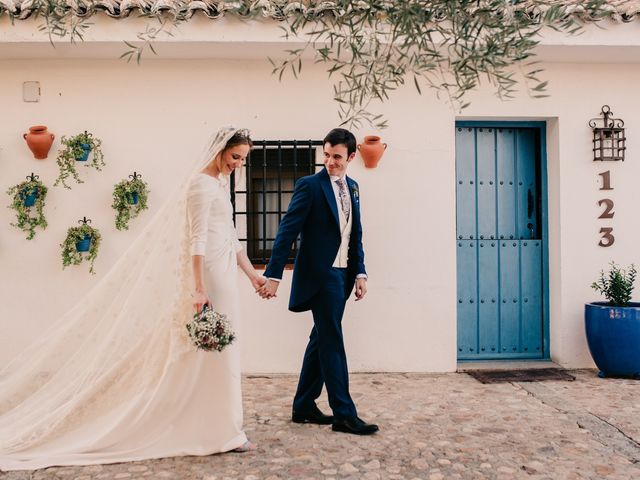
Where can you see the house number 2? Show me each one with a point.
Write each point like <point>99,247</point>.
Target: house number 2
<point>606,239</point>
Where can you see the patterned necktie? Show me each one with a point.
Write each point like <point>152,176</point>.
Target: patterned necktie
<point>344,198</point>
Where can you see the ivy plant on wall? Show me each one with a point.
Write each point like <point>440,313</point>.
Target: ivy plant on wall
<point>29,197</point>
<point>79,240</point>
<point>129,199</point>
<point>77,150</point>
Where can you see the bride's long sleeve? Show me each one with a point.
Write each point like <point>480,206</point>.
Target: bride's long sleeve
<point>199,202</point>
<point>237,246</point>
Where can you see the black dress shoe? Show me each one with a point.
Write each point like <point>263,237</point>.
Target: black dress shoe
<point>355,426</point>
<point>314,415</point>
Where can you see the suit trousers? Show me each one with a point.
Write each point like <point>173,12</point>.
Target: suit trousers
<point>325,360</point>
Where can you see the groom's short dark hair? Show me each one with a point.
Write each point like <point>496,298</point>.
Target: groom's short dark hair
<point>341,136</point>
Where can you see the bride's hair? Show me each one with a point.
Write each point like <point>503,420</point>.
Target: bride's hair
<point>241,137</point>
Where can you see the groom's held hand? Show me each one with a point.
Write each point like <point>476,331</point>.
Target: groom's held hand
<point>269,289</point>
<point>361,288</point>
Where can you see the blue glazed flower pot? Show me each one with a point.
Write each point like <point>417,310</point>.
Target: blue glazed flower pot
<point>133,198</point>
<point>84,244</point>
<point>29,200</point>
<point>613,335</point>
<point>86,148</point>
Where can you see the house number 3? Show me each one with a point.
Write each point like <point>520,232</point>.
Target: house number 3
<point>606,239</point>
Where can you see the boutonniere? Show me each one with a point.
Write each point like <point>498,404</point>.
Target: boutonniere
<point>355,191</point>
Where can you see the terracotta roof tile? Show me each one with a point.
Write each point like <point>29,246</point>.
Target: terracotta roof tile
<point>619,10</point>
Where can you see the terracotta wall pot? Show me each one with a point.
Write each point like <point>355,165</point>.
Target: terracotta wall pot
<point>39,141</point>
<point>371,150</point>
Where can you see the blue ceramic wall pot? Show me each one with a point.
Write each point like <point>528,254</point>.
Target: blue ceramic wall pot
<point>29,200</point>
<point>84,244</point>
<point>613,335</point>
<point>86,148</point>
<point>133,198</point>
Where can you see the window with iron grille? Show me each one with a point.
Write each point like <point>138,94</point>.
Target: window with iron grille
<point>263,189</point>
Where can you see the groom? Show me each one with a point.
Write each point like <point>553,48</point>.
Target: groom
<point>325,209</point>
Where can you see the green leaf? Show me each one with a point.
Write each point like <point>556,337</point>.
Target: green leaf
<point>447,45</point>
<point>415,80</point>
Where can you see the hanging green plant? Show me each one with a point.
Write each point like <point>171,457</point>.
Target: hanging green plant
<point>77,149</point>
<point>129,199</point>
<point>79,240</point>
<point>372,48</point>
<point>28,197</point>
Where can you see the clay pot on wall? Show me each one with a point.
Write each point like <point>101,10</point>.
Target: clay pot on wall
<point>39,141</point>
<point>371,150</point>
<point>84,244</point>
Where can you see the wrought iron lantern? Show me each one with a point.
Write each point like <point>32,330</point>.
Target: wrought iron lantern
<point>608,137</point>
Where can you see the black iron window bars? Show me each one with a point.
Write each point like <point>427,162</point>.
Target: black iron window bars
<point>262,191</point>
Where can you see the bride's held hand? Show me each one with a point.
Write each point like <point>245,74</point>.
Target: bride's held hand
<point>199,300</point>
<point>258,282</point>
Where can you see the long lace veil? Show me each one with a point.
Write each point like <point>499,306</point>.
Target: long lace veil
<point>116,343</point>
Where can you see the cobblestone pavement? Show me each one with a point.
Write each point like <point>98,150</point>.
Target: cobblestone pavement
<point>433,426</point>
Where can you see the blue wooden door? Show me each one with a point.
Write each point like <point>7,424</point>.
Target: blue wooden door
<point>499,243</point>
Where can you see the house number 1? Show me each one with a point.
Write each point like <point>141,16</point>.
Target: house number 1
<point>607,239</point>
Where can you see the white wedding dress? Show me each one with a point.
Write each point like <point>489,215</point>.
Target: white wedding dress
<point>116,378</point>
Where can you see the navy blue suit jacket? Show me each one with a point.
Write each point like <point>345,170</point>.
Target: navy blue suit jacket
<point>313,213</point>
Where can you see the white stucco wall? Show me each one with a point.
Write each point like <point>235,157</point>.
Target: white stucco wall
<point>154,118</point>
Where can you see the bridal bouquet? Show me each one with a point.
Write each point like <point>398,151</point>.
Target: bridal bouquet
<point>210,330</point>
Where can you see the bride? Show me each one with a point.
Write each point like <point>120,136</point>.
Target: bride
<point>116,378</point>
